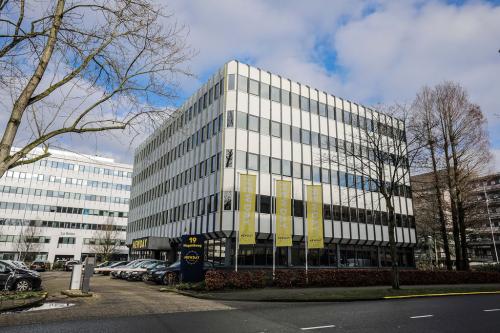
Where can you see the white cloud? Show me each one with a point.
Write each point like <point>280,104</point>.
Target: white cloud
<point>386,50</point>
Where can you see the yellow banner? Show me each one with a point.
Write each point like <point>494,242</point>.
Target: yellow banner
<point>247,209</point>
<point>314,217</point>
<point>283,213</point>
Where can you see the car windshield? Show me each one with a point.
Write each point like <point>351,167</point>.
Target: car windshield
<point>175,264</point>
<point>122,263</point>
<point>136,264</point>
<point>18,264</point>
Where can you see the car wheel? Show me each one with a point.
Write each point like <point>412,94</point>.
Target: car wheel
<point>22,285</point>
<point>144,278</point>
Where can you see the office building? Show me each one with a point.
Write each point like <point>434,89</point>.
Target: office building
<point>63,206</point>
<point>247,120</point>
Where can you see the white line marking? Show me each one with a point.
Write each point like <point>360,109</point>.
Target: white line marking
<point>316,327</point>
<point>424,316</point>
<point>491,310</point>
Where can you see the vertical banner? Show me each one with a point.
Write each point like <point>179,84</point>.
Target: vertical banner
<point>315,217</point>
<point>247,209</point>
<point>283,213</point>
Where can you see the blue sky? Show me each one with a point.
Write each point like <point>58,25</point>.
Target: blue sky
<point>367,51</point>
<point>374,51</point>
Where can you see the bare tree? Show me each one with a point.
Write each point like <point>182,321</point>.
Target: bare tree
<point>106,241</point>
<point>28,242</point>
<point>381,155</point>
<point>423,129</point>
<point>451,129</point>
<point>83,66</point>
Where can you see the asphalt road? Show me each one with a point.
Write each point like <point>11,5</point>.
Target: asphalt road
<point>478,313</point>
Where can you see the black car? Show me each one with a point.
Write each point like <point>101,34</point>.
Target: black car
<point>19,279</point>
<point>172,273</point>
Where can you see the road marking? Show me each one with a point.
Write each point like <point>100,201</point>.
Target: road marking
<point>491,310</point>
<point>423,316</point>
<point>316,327</point>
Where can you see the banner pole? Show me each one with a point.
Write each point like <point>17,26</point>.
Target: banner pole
<point>237,225</point>
<point>273,217</point>
<point>306,235</point>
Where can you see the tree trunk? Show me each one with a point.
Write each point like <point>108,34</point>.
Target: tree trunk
<point>451,189</point>
<point>392,245</point>
<point>442,220</point>
<point>459,200</point>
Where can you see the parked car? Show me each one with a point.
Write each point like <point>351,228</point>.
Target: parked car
<point>68,266</point>
<point>117,271</point>
<point>18,264</point>
<point>14,278</point>
<point>151,272</point>
<point>106,270</point>
<point>172,273</point>
<point>40,265</point>
<point>140,273</point>
<point>139,267</point>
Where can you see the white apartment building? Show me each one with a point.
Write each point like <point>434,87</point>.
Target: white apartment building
<point>248,120</point>
<point>59,207</point>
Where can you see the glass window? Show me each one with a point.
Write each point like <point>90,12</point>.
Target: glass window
<point>331,112</point>
<point>322,109</point>
<point>295,100</point>
<point>297,170</point>
<point>253,87</point>
<point>338,115</point>
<point>230,82</point>
<point>347,117</point>
<point>242,83</point>
<point>315,139</point>
<point>275,94</point>
<point>253,162</point>
<point>242,120</point>
<point>276,166</point>
<point>253,123</point>
<point>298,208</point>
<point>264,164</point>
<point>324,141</point>
<point>285,97</point>
<point>306,172</point>
<point>276,129</point>
<point>264,90</point>
<point>287,168</point>
<point>285,132</point>
<point>314,106</point>
<point>230,118</point>
<point>325,176</point>
<point>295,134</point>
<point>306,137</point>
<point>304,103</point>
<point>264,126</point>
<point>265,204</point>
<point>316,174</point>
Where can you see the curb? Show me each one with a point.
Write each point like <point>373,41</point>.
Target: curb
<point>76,294</point>
<point>445,294</point>
<point>292,300</point>
<point>26,303</point>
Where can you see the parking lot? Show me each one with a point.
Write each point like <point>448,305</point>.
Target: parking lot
<point>111,298</point>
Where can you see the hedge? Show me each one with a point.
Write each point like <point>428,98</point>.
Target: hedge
<point>292,278</point>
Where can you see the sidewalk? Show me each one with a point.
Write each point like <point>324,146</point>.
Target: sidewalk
<point>343,294</point>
